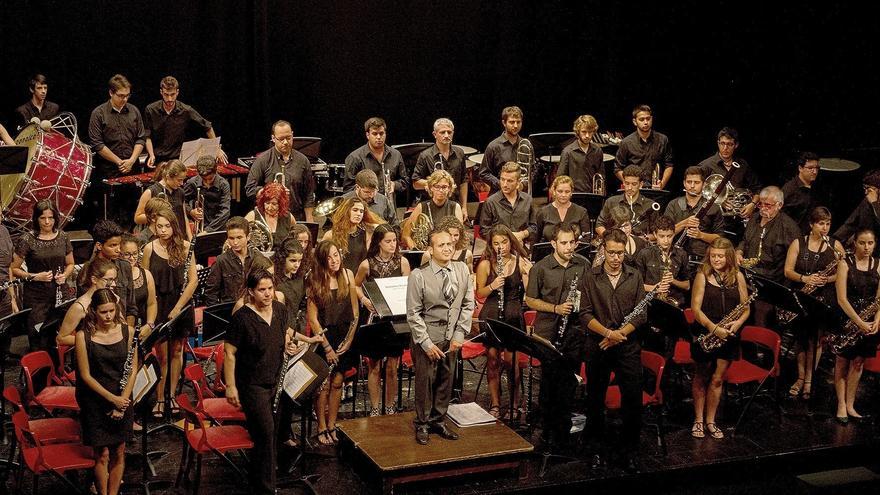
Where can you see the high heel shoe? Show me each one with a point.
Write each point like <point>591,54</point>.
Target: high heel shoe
<point>807,390</point>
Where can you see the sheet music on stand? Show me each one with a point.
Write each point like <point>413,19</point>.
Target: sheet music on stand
<point>388,295</point>
<point>305,372</point>
<point>191,151</point>
<point>145,380</point>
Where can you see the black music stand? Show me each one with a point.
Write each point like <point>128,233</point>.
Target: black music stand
<point>392,335</point>
<point>414,257</point>
<point>164,333</point>
<point>7,323</point>
<point>215,322</point>
<point>550,143</point>
<point>659,195</point>
<point>410,153</point>
<point>209,244</point>
<point>309,146</point>
<point>148,469</point>
<point>591,202</point>
<point>668,318</point>
<point>515,340</point>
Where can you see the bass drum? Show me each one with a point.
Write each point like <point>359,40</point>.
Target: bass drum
<point>58,169</point>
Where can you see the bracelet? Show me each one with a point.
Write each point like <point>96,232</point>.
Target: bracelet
<point>151,325</point>
<point>554,308</point>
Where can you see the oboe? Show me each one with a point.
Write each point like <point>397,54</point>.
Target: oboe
<point>574,297</point>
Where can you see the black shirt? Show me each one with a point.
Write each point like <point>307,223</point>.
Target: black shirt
<point>120,131</point>
<point>168,131</point>
<point>549,281</point>
<point>298,178</point>
<point>226,278</point>
<point>216,199</point>
<point>259,345</point>
<point>865,216</point>
<point>455,165</point>
<point>778,234</point>
<point>640,212</point>
<point>125,288</point>
<point>497,209</point>
<point>742,178</point>
<point>799,202</point>
<point>498,152</point>
<point>362,158</point>
<point>581,166</point>
<point>650,264</point>
<point>378,205</point>
<point>610,305</point>
<point>29,111</point>
<point>711,223</point>
<point>633,150</point>
<point>547,217</point>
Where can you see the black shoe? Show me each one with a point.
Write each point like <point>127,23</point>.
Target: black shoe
<point>632,465</point>
<point>422,435</point>
<point>444,431</point>
<point>597,462</point>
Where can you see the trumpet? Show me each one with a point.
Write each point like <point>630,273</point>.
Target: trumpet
<point>280,177</point>
<point>656,176</point>
<point>599,184</point>
<point>525,155</point>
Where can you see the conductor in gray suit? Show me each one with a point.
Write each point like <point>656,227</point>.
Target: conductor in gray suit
<point>439,307</point>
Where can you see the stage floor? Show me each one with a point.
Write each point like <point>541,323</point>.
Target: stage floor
<point>766,455</point>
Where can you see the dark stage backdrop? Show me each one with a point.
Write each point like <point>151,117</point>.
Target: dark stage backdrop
<point>788,77</point>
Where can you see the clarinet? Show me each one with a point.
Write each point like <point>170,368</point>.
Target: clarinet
<point>499,270</point>
<point>574,297</point>
<point>59,296</point>
<point>189,252</point>
<point>639,307</point>
<point>129,359</point>
<point>279,385</point>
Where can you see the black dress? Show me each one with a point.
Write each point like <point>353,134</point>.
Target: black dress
<point>139,287</point>
<point>807,263</point>
<point>717,303</point>
<point>861,289</point>
<point>169,285</point>
<point>513,296</point>
<point>106,363</point>
<point>381,269</point>
<point>336,317</point>
<point>294,292</point>
<point>42,256</point>
<point>357,250</point>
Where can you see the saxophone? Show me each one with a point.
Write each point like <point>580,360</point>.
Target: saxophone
<point>852,334</point>
<point>751,262</point>
<point>667,267</point>
<point>785,316</point>
<point>574,297</point>
<point>710,342</point>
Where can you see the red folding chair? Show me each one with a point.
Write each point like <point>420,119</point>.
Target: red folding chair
<point>652,401</point>
<point>742,371</point>
<point>201,439</point>
<point>55,459</point>
<point>66,373</point>
<point>217,409</point>
<point>47,430</point>
<point>53,395</point>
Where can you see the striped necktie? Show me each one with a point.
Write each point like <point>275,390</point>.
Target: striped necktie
<point>448,291</point>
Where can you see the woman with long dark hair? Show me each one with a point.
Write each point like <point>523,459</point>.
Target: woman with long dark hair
<point>167,184</point>
<point>383,260</point>
<point>97,273</point>
<point>505,249</point>
<point>47,251</point>
<point>169,260</point>
<point>332,313</point>
<point>718,288</point>
<point>103,349</point>
<point>353,225</point>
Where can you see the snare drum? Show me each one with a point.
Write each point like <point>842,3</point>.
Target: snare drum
<point>57,169</point>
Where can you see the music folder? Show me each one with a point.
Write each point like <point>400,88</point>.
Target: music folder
<point>306,371</point>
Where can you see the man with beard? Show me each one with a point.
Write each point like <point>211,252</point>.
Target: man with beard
<point>646,149</point>
<point>683,210</point>
<point>502,149</point>
<point>743,178</point>
<point>582,159</point>
<point>377,156</point>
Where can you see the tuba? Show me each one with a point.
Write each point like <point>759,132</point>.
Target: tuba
<point>599,184</point>
<point>525,155</point>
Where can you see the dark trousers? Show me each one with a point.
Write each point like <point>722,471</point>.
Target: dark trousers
<point>558,386</point>
<point>256,401</point>
<point>433,384</point>
<point>626,362</point>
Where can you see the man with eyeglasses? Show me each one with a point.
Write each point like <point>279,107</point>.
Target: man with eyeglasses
<point>867,213</point>
<point>609,293</point>
<point>548,293</point>
<point>800,195</point>
<point>642,214</point>
<point>116,132</point>
<point>743,178</point>
<point>439,206</point>
<point>215,194</point>
<point>168,123</point>
<point>765,245</point>
<point>282,163</point>
<point>443,156</point>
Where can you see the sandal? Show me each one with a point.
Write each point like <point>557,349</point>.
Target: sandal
<point>697,430</point>
<point>795,389</point>
<point>332,435</point>
<point>392,409</point>
<point>715,431</point>
<point>175,407</point>
<point>807,392</point>
<point>159,409</point>
<point>495,411</point>
<point>375,411</point>
<point>324,438</point>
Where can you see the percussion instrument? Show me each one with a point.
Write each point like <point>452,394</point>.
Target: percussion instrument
<point>468,151</point>
<point>58,169</point>
<point>838,165</point>
<point>226,169</point>
<point>474,160</point>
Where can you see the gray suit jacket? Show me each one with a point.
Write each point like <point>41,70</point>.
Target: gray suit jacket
<point>431,319</point>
